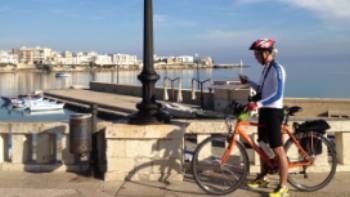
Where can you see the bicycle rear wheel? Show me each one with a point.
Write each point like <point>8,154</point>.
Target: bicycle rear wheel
<point>320,173</point>
<point>214,178</point>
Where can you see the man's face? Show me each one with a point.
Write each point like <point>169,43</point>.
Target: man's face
<point>261,56</point>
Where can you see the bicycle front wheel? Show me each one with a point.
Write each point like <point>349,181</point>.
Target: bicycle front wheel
<point>316,176</point>
<point>213,177</point>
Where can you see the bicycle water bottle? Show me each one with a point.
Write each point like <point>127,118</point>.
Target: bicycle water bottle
<point>267,149</point>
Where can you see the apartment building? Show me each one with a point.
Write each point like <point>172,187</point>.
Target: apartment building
<point>124,59</point>
<point>185,59</point>
<point>7,58</point>
<point>35,55</point>
<point>25,55</point>
<point>102,60</point>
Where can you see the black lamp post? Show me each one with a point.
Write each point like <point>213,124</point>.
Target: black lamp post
<point>148,109</point>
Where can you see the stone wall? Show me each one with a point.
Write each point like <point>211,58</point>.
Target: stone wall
<point>152,152</point>
<point>133,152</point>
<point>36,147</point>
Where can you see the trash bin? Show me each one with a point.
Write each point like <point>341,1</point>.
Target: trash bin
<point>80,134</point>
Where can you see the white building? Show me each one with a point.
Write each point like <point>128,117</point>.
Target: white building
<point>56,58</point>
<point>124,59</point>
<point>83,58</point>
<point>67,58</point>
<point>33,55</point>
<point>102,60</point>
<point>7,58</point>
<point>91,54</point>
<point>41,55</point>
<point>185,59</point>
<point>25,55</point>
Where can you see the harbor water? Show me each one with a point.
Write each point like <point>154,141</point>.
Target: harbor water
<point>302,81</point>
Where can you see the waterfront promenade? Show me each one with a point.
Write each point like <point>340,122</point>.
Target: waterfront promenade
<point>121,104</point>
<point>20,184</point>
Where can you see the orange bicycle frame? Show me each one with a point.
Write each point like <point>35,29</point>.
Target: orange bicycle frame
<point>238,130</point>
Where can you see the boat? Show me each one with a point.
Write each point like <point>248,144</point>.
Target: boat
<point>42,113</point>
<point>45,105</point>
<point>24,102</point>
<point>33,103</point>
<point>23,98</point>
<point>62,74</point>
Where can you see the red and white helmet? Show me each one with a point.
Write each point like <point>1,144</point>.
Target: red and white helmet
<point>264,44</point>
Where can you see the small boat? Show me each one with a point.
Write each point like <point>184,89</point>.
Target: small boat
<point>33,103</point>
<point>41,113</point>
<point>22,98</point>
<point>45,106</point>
<point>62,74</point>
<point>25,101</point>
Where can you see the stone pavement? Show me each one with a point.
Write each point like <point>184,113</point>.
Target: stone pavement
<point>19,184</point>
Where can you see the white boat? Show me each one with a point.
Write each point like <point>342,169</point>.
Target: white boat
<point>41,113</point>
<point>24,102</point>
<point>45,106</point>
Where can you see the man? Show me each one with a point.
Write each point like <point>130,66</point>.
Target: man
<point>269,101</point>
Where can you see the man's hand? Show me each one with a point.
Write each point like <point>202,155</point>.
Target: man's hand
<point>251,106</point>
<point>243,79</point>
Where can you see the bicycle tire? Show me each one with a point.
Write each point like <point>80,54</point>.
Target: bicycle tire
<point>331,154</point>
<point>243,161</point>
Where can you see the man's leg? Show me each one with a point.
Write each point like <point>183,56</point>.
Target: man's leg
<point>260,180</point>
<point>282,164</point>
<point>262,137</point>
<point>277,145</point>
<point>282,189</point>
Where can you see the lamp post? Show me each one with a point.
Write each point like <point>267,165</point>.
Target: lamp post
<point>148,109</point>
<point>196,59</point>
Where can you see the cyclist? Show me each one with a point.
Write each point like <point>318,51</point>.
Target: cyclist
<point>269,102</point>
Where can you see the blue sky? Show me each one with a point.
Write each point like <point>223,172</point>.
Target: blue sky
<point>307,30</point>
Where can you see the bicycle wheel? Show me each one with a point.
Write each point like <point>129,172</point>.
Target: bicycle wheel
<point>214,178</point>
<point>320,173</point>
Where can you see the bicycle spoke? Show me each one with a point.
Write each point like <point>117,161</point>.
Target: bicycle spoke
<point>320,172</point>
<point>211,175</point>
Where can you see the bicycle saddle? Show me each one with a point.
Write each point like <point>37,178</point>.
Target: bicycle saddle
<point>292,110</point>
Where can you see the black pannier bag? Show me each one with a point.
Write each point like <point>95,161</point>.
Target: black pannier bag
<point>311,144</point>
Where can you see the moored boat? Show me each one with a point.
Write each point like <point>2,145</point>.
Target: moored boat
<point>62,74</point>
<point>45,106</point>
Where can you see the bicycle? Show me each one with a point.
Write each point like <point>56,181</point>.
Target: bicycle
<point>221,165</point>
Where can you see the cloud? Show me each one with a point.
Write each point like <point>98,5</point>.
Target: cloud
<point>325,8</point>
<point>333,8</point>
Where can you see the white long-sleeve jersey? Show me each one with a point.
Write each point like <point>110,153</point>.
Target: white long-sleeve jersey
<point>272,91</point>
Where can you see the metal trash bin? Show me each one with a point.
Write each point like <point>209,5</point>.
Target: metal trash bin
<point>80,134</point>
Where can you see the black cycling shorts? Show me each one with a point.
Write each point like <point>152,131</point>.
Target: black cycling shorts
<point>271,120</point>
